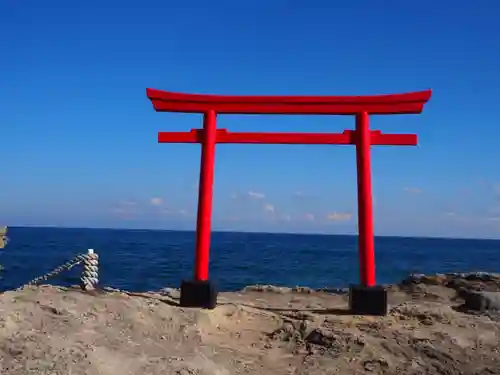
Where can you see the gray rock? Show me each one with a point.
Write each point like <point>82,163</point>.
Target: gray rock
<point>413,278</point>
<point>416,277</point>
<point>303,289</point>
<point>339,291</point>
<point>267,288</point>
<point>457,284</point>
<point>170,292</point>
<point>482,301</point>
<point>456,274</point>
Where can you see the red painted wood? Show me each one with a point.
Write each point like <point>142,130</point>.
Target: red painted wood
<point>366,240</point>
<point>348,137</point>
<point>408,103</point>
<point>205,196</point>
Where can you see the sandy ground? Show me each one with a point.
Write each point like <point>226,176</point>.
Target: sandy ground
<point>260,330</point>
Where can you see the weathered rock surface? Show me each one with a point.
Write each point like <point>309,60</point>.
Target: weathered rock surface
<point>482,301</point>
<point>431,328</point>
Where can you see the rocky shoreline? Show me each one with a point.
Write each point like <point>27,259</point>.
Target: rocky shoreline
<point>437,324</point>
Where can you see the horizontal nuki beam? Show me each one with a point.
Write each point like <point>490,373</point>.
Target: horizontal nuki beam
<point>406,103</point>
<point>348,137</point>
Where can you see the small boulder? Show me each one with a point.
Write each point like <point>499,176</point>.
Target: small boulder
<point>414,278</point>
<point>481,276</point>
<point>170,292</point>
<point>458,284</point>
<point>482,301</point>
<point>303,289</point>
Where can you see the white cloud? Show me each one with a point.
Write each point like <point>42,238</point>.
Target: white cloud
<point>309,217</point>
<point>255,195</point>
<point>413,190</point>
<point>339,216</point>
<point>269,208</point>
<point>156,201</point>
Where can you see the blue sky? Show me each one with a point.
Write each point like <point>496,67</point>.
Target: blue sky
<point>79,135</point>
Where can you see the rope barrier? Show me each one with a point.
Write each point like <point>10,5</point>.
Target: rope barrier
<point>90,274</point>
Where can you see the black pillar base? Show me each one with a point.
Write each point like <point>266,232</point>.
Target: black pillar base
<point>196,293</point>
<point>365,300</point>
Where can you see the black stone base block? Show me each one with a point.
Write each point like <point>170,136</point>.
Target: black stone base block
<point>198,294</point>
<point>368,300</point>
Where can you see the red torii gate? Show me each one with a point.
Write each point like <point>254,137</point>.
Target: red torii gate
<point>366,298</point>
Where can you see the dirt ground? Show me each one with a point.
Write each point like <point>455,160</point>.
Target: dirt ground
<point>260,330</point>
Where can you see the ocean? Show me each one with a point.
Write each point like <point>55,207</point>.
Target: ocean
<point>147,260</point>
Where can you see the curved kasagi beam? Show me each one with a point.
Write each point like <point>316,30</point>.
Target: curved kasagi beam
<point>164,101</point>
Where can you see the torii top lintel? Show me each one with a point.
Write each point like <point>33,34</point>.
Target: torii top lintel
<point>407,103</point>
